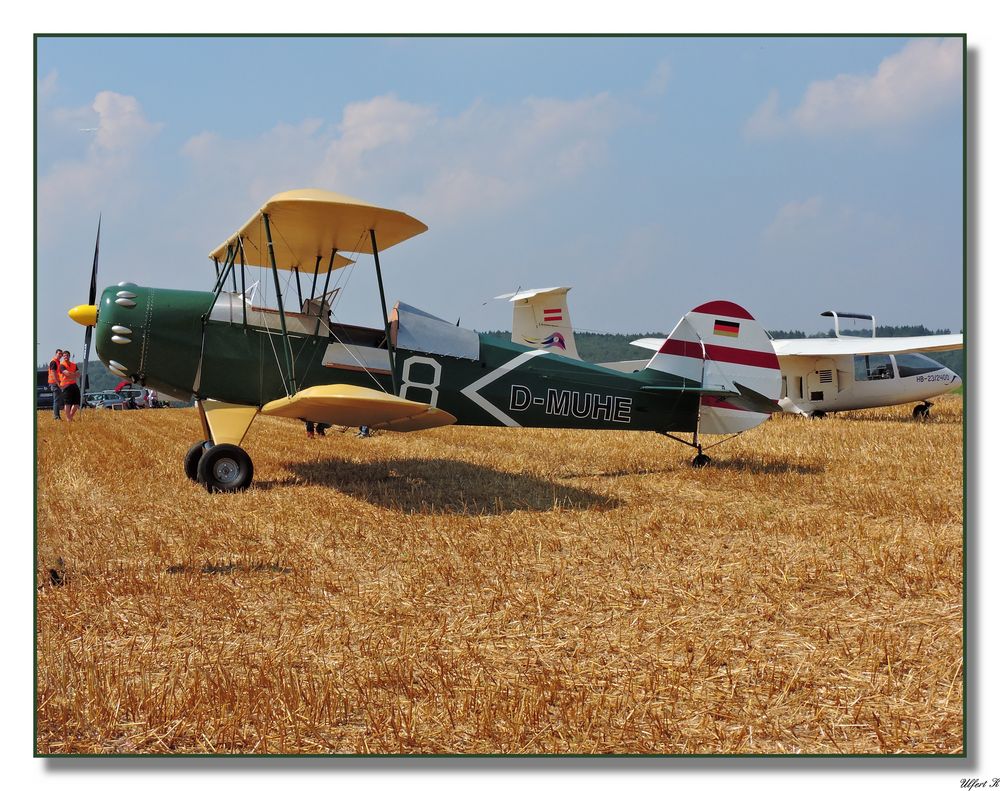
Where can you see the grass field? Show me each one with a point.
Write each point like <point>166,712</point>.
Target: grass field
<point>468,590</point>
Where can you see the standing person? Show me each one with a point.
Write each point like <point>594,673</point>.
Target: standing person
<point>313,428</point>
<point>69,378</point>
<point>57,400</point>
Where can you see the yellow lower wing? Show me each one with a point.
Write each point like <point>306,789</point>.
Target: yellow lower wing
<point>350,405</point>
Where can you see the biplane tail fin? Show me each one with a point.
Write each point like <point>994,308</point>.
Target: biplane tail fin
<point>720,347</point>
<point>541,320</point>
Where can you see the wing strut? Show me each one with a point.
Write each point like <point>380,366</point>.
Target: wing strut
<point>281,307</point>
<point>298,284</point>
<point>385,315</point>
<point>326,285</point>
<point>243,281</point>
<point>312,291</point>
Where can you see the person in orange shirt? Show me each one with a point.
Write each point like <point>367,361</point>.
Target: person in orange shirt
<point>69,378</point>
<point>57,402</point>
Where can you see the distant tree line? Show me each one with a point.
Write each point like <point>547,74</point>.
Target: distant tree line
<point>881,331</point>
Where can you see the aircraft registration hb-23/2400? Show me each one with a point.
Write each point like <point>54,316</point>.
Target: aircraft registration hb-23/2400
<point>716,374</point>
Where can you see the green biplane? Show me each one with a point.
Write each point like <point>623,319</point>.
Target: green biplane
<point>715,374</point>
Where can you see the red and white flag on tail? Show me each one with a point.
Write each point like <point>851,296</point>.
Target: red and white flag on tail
<point>552,314</point>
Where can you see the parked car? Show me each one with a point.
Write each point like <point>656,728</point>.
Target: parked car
<point>126,398</point>
<point>43,397</point>
<point>105,399</point>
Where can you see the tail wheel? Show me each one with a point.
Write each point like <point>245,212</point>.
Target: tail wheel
<point>193,456</point>
<point>225,468</point>
<point>700,460</point>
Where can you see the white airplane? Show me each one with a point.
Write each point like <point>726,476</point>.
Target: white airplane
<point>818,375</point>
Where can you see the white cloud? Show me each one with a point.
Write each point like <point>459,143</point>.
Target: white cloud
<point>103,174</point>
<point>793,217</point>
<point>658,81</point>
<point>765,121</point>
<point>442,167</point>
<point>919,80</point>
<point>821,230</point>
<point>252,170</point>
<point>121,125</point>
<point>47,85</point>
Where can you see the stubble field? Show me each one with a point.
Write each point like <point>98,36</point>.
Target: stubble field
<point>469,590</point>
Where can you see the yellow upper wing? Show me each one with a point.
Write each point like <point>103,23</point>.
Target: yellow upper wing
<point>350,405</point>
<point>309,223</point>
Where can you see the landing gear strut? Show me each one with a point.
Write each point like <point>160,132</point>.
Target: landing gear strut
<point>700,460</point>
<point>922,411</point>
<point>225,468</point>
<point>218,462</point>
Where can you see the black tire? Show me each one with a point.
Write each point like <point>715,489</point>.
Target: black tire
<point>921,411</point>
<point>819,414</point>
<point>225,468</point>
<point>700,460</point>
<point>193,456</point>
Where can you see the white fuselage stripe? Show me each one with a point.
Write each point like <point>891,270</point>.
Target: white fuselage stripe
<point>472,391</point>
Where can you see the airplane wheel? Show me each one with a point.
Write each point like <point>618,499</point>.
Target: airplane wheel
<point>225,468</point>
<point>192,457</point>
<point>700,460</point>
<point>819,414</point>
<point>921,411</point>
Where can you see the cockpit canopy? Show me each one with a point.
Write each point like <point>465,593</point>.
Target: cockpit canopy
<point>915,364</point>
<point>870,367</point>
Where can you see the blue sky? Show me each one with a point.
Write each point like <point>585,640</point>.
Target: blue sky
<point>791,175</point>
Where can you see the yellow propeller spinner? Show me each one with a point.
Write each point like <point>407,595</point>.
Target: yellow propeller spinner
<point>84,314</point>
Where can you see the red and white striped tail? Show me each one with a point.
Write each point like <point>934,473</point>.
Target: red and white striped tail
<point>719,344</point>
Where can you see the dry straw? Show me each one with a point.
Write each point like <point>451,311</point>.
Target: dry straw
<point>470,590</point>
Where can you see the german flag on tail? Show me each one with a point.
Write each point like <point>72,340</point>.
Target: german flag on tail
<point>730,329</point>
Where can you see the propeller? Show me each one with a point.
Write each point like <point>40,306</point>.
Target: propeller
<point>91,300</point>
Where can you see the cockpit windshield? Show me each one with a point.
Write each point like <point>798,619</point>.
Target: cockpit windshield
<point>915,364</point>
<point>872,366</point>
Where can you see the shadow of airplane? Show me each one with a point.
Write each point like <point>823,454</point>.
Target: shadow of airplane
<point>441,485</point>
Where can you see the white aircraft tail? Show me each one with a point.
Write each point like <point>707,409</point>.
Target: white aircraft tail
<point>723,348</point>
<point>541,320</point>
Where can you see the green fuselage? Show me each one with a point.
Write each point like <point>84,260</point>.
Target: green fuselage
<point>166,341</point>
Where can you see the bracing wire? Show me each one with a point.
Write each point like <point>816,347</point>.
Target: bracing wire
<point>270,337</point>
<point>338,289</point>
<point>361,365</point>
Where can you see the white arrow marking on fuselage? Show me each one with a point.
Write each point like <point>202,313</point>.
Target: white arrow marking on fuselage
<point>472,391</point>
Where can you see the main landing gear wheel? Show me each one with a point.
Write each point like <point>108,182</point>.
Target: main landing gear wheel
<point>819,414</point>
<point>193,456</point>
<point>225,468</point>
<point>922,411</point>
<point>700,460</point>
